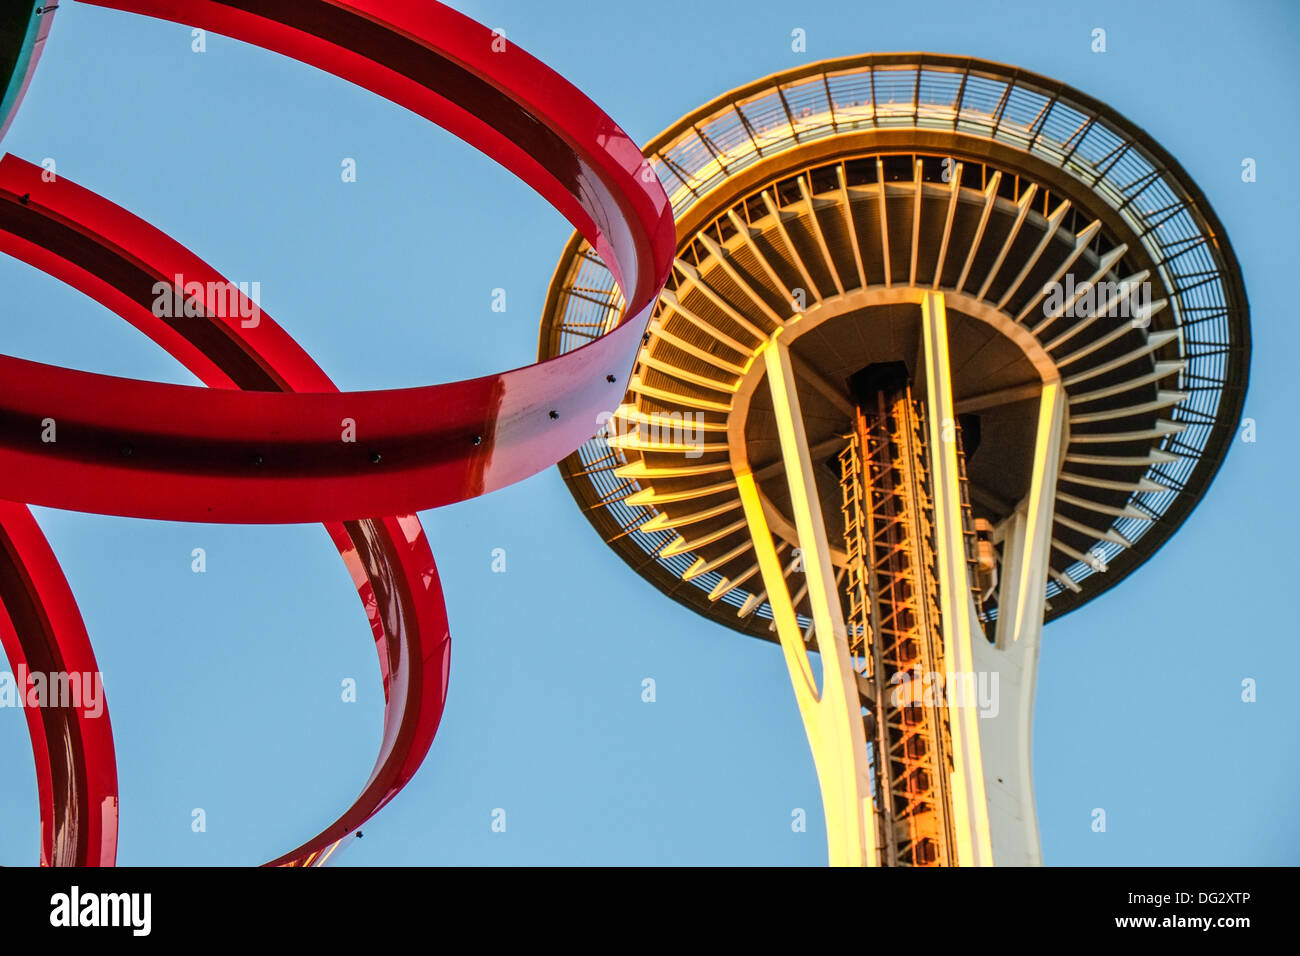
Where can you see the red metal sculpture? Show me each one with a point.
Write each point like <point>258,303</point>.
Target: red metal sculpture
<point>42,633</point>
<point>262,444</point>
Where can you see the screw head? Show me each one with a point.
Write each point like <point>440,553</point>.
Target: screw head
<point>126,451</point>
<point>256,459</point>
<point>554,414</point>
<point>611,379</point>
<point>478,439</point>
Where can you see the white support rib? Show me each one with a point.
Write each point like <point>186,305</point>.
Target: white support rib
<point>884,221</point>
<point>954,190</point>
<point>685,375</point>
<point>640,469</point>
<point>693,276</point>
<point>1110,534</point>
<point>631,441</point>
<point>775,212</point>
<point>755,601</point>
<point>1088,558</point>
<point>1026,198</point>
<point>990,199</point>
<point>807,195</point>
<point>916,221</point>
<point>663,522</point>
<point>633,414</point>
<point>1007,733</point>
<point>832,717</point>
<point>700,566</point>
<point>741,282</point>
<point>1163,399</point>
<point>1142,484</point>
<point>649,496</point>
<point>794,600</point>
<point>747,234</point>
<point>1154,341</point>
<point>659,334</point>
<point>681,544</point>
<point>730,584</point>
<point>725,585</point>
<point>1154,456</point>
<point>1100,309</point>
<point>639,386</point>
<point>956,606</point>
<point>1104,265</point>
<point>1053,224</point>
<point>1162,370</point>
<point>1080,243</point>
<point>1024,562</point>
<point>1162,428</point>
<point>1128,511</point>
<point>669,299</point>
<point>1063,579</point>
<point>849,226</point>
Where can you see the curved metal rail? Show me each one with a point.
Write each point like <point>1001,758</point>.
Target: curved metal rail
<point>262,445</point>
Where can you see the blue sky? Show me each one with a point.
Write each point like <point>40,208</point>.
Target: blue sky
<point>224,687</point>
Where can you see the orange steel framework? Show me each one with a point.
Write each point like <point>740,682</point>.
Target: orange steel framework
<point>893,625</point>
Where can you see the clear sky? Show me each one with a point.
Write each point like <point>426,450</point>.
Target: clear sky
<point>224,687</point>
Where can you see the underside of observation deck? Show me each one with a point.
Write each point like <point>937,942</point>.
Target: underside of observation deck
<point>822,205</point>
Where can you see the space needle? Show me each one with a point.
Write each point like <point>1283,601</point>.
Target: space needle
<point>949,349</point>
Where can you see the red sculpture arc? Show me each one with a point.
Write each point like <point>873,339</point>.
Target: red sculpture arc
<point>262,443</point>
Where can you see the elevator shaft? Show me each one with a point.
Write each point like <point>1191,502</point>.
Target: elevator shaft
<point>894,624</point>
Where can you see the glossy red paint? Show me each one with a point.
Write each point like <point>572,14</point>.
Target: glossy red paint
<point>273,454</point>
<point>42,633</point>
<point>389,559</point>
<point>145,449</point>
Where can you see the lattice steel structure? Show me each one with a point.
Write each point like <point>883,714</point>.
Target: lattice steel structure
<point>1068,336</point>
